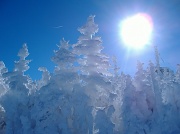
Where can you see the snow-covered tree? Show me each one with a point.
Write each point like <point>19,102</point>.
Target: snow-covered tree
<point>15,101</point>
<point>143,84</point>
<point>88,47</point>
<point>45,77</point>
<point>118,86</point>
<point>22,65</point>
<point>3,85</point>
<point>103,121</point>
<point>51,109</point>
<point>65,72</point>
<point>177,75</point>
<point>2,120</point>
<point>64,57</point>
<point>94,69</point>
<point>3,90</point>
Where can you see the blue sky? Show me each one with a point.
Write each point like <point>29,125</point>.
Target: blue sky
<point>33,22</point>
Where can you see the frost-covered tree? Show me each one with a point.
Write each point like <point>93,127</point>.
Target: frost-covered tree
<point>89,48</point>
<point>170,99</point>
<point>65,72</point>
<point>143,99</point>
<point>3,90</point>
<point>118,86</point>
<point>103,121</point>
<point>60,105</point>
<point>129,107</point>
<point>143,85</point>
<point>94,69</point>
<point>81,119</point>
<point>93,63</point>
<point>3,85</point>
<point>51,110</point>
<point>2,120</point>
<point>64,57</point>
<point>17,80</point>
<point>15,101</point>
<point>22,65</point>
<point>45,77</point>
<point>60,110</point>
<point>177,75</point>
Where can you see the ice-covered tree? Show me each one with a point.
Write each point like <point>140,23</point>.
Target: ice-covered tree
<point>129,107</point>
<point>88,47</point>
<point>65,72</point>
<point>93,67</point>
<point>143,84</point>
<point>3,89</point>
<point>118,85</point>
<point>3,85</point>
<point>64,57</point>
<point>15,101</point>
<point>177,75</point>
<point>2,120</point>
<point>22,65</point>
<point>170,99</point>
<point>103,123</point>
<point>51,109</point>
<point>45,77</point>
<point>93,64</point>
<point>81,117</point>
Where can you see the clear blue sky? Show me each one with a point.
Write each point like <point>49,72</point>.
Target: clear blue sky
<point>33,22</point>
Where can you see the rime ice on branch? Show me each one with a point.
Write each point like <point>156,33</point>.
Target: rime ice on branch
<point>89,49</point>
<point>22,65</point>
<point>64,58</point>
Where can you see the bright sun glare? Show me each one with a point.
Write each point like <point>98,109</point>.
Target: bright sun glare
<point>136,31</point>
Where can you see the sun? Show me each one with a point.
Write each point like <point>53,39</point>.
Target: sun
<point>136,31</point>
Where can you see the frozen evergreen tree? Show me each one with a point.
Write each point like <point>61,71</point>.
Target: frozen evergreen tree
<point>118,86</point>
<point>177,75</point>
<point>64,57</point>
<point>103,123</point>
<point>51,109</point>
<point>94,69</point>
<point>3,89</point>
<point>22,65</point>
<point>129,107</point>
<point>93,63</point>
<point>52,105</point>
<point>65,72</point>
<point>143,85</point>
<point>170,99</point>
<point>3,85</point>
<point>60,105</point>
<point>81,112</point>
<point>45,77</point>
<point>144,99</point>
<point>89,48</point>
<point>2,120</point>
<point>157,58</point>
<point>60,110</point>
<point>167,82</point>
<point>15,101</point>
